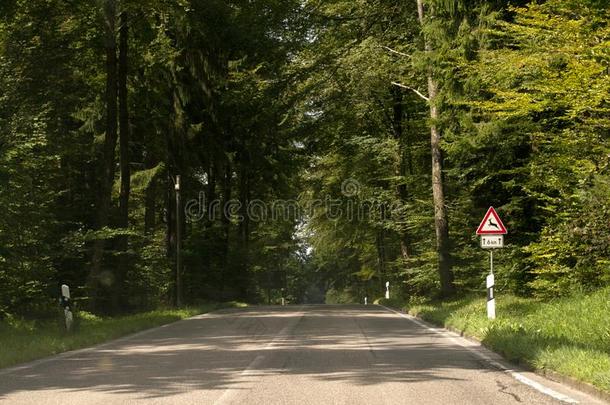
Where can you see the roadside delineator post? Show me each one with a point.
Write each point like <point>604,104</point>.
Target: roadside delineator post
<point>387,290</point>
<point>491,300</point>
<point>492,232</point>
<point>66,304</point>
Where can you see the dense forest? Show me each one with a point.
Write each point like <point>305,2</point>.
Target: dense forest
<point>323,148</point>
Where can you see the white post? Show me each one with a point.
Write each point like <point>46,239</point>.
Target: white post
<point>65,291</point>
<point>366,301</point>
<point>387,290</point>
<point>491,299</point>
<point>65,302</point>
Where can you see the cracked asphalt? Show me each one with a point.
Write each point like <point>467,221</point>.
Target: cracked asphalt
<point>282,355</point>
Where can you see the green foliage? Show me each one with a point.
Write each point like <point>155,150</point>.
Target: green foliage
<point>573,251</point>
<point>550,83</point>
<point>206,96</point>
<point>523,95</point>
<point>270,100</point>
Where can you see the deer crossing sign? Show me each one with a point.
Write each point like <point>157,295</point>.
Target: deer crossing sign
<point>492,230</point>
<point>491,224</point>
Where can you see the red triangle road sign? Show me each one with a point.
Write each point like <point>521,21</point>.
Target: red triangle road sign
<point>491,224</point>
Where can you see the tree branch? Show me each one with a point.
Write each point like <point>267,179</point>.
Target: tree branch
<point>387,48</point>
<point>412,89</point>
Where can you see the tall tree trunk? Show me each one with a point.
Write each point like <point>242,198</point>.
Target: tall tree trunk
<point>440,209</point>
<point>244,227</point>
<point>170,227</point>
<point>108,159</point>
<point>124,127</point>
<point>401,189</point>
<point>123,221</point>
<point>175,147</point>
<point>206,203</point>
<point>226,225</point>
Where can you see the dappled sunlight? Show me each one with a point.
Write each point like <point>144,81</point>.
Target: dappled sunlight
<point>209,353</point>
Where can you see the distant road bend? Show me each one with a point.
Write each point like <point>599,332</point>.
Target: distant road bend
<point>283,355</point>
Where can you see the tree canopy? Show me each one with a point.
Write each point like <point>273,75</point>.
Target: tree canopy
<point>324,148</point>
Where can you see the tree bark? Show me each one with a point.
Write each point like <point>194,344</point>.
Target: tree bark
<point>441,221</point>
<point>244,227</point>
<point>226,225</point>
<point>124,128</point>
<point>123,220</point>
<point>174,206</point>
<point>401,189</point>
<point>170,228</point>
<point>108,159</point>
<point>175,147</point>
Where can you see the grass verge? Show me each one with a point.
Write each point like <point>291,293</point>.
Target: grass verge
<point>570,336</point>
<point>26,340</point>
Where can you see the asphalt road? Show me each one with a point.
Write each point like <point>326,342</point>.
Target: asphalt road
<point>274,355</point>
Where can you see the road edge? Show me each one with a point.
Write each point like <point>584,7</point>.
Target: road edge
<point>70,353</point>
<point>550,374</point>
<point>554,376</point>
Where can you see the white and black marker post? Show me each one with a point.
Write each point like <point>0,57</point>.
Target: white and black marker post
<point>66,304</point>
<point>387,290</point>
<point>492,232</point>
<point>491,300</point>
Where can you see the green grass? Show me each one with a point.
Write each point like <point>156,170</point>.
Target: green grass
<point>26,340</point>
<point>570,335</point>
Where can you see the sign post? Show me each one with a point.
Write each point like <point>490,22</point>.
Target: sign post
<point>387,290</point>
<point>178,244</point>
<point>492,232</point>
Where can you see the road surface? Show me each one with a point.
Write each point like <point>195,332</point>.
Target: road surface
<point>282,355</point>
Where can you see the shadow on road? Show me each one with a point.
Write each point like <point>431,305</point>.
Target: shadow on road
<point>357,344</point>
